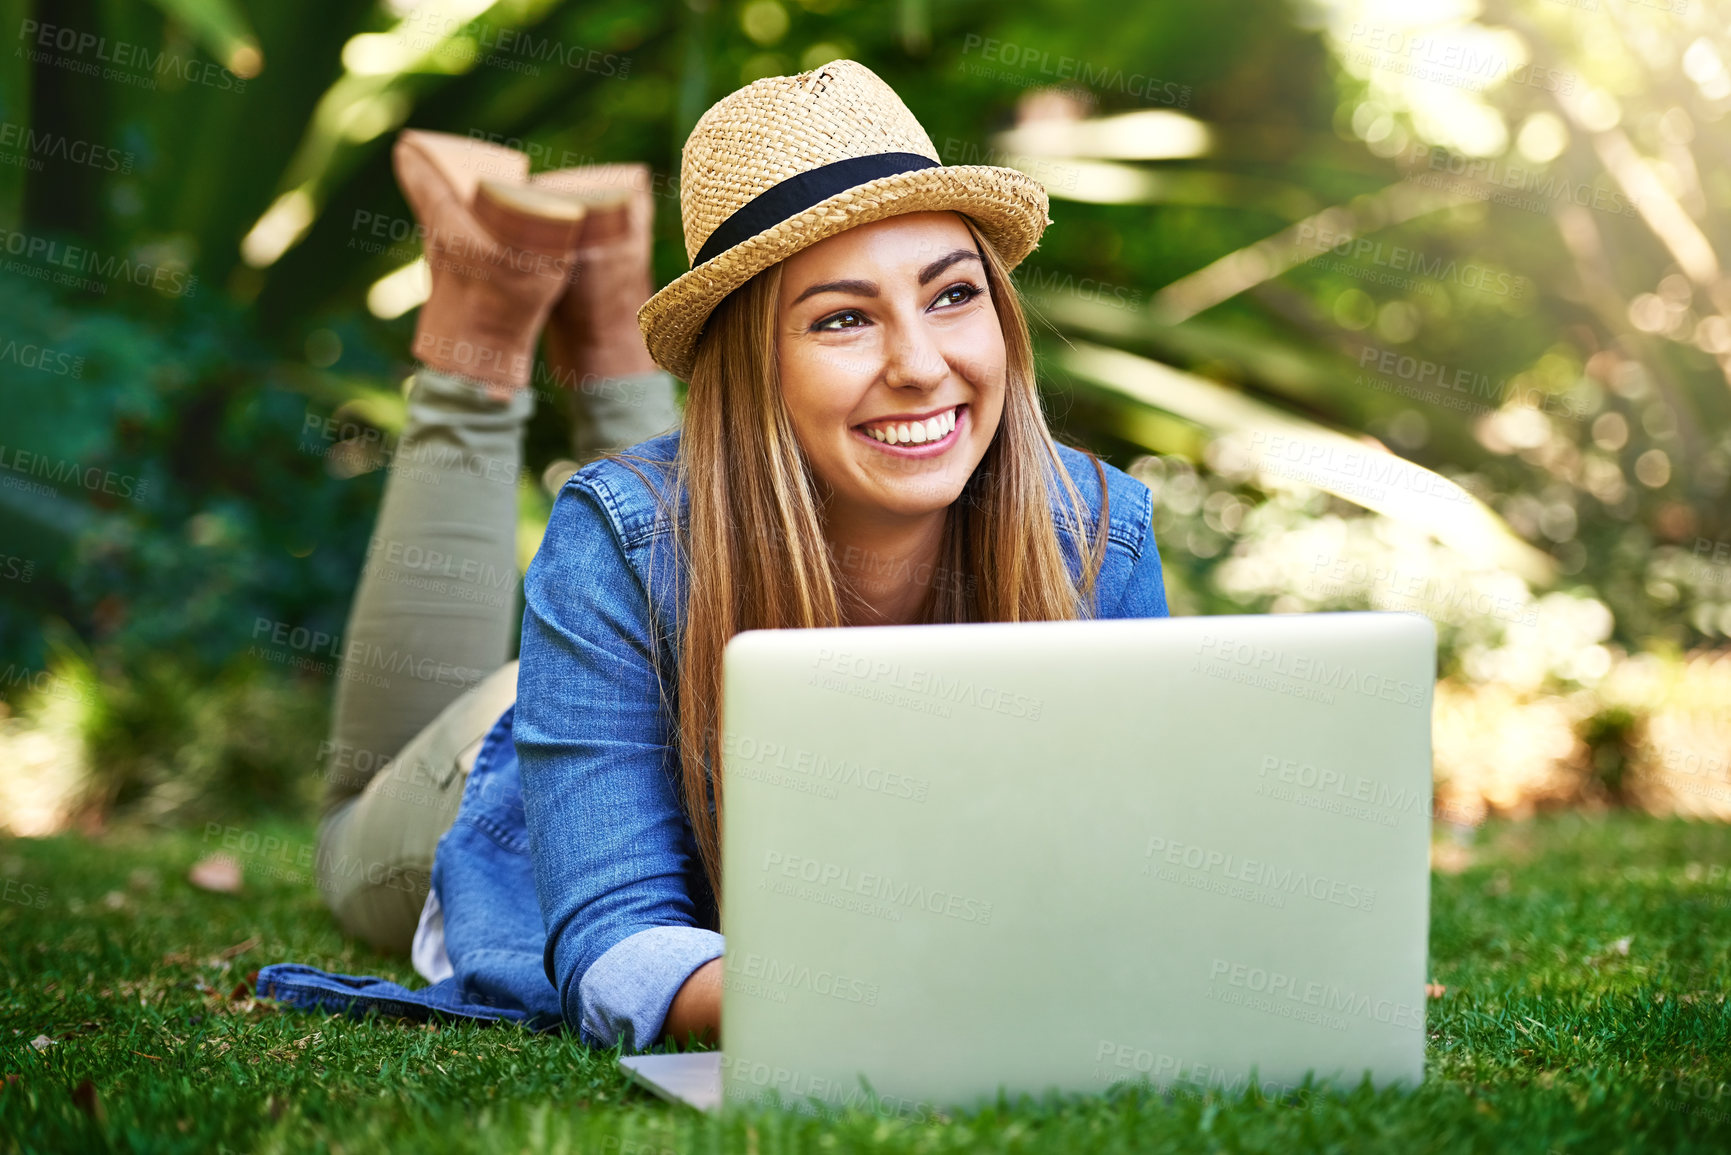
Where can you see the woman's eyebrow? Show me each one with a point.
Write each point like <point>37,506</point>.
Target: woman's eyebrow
<point>862,288</point>
<point>945,261</point>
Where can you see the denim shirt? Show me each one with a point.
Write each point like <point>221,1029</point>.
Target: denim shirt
<point>570,884</point>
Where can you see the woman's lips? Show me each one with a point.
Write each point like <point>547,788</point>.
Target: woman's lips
<point>921,449</point>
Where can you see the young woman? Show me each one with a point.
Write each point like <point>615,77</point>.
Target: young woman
<point>862,444</point>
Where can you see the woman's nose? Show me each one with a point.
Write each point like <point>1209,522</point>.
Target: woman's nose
<point>914,359</point>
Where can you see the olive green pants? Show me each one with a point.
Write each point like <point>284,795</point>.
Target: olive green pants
<point>424,670</point>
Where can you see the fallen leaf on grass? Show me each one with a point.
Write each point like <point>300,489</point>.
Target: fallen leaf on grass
<point>86,1099</point>
<point>216,872</point>
<point>240,948</point>
<point>43,1042</point>
<point>1434,990</point>
<point>1618,947</point>
<point>295,1051</point>
<point>1450,857</point>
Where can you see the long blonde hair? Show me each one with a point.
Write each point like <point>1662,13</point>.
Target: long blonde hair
<point>753,546</point>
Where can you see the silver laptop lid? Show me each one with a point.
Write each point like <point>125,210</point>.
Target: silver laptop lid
<point>1062,855</point>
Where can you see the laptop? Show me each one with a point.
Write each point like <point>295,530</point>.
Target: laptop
<point>965,861</point>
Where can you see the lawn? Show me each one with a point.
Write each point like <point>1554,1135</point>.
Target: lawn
<point>1585,960</point>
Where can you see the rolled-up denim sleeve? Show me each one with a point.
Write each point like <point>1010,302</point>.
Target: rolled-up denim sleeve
<point>626,993</point>
<point>614,860</point>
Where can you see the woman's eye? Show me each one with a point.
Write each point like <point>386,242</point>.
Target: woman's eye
<point>958,294</point>
<point>846,319</point>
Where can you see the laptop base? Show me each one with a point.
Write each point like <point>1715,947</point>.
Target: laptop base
<point>693,1079</point>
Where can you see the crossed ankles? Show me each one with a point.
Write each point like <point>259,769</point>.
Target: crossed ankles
<point>508,252</point>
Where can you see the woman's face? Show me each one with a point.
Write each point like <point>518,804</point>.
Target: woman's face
<point>892,363</point>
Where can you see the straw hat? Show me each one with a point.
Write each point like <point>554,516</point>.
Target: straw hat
<point>787,161</point>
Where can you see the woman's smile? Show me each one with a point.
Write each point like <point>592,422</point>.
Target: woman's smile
<point>926,434</point>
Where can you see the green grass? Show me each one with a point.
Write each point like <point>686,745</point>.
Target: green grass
<point>1548,1039</point>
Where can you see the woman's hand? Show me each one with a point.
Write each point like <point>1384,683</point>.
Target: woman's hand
<point>696,1009</point>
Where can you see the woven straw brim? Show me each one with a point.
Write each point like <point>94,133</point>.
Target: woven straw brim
<point>1008,206</point>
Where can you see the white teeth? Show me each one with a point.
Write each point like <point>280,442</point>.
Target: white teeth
<point>933,428</point>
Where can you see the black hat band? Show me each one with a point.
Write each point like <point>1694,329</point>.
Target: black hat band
<point>801,191</point>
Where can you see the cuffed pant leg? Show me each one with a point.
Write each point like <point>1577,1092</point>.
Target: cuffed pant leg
<point>620,412</point>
